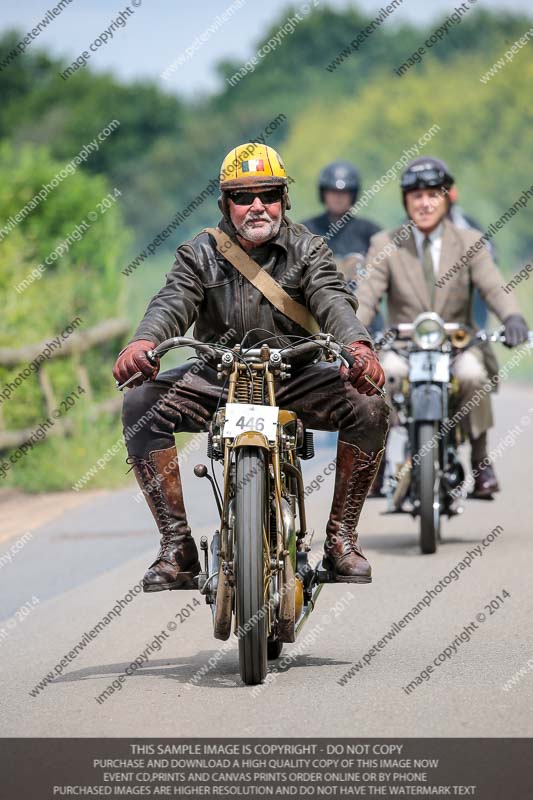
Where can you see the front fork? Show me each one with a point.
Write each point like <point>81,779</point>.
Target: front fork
<point>428,403</point>
<point>450,469</point>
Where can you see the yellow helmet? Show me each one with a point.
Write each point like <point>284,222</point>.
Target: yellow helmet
<point>252,165</point>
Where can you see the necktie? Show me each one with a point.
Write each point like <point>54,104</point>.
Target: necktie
<point>427,263</point>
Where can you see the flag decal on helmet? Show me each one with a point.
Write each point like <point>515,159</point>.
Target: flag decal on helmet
<point>253,165</point>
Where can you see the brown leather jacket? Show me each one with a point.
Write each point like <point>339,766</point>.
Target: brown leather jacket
<point>205,289</point>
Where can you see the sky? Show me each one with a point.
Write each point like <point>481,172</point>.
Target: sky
<point>158,32</point>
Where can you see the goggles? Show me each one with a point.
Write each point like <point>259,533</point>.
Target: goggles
<point>244,198</point>
<point>425,177</point>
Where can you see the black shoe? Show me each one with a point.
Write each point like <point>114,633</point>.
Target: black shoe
<point>485,482</point>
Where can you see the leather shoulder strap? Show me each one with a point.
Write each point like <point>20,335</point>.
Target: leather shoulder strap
<point>262,281</point>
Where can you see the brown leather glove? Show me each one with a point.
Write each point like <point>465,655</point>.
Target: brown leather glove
<point>366,363</point>
<point>133,359</point>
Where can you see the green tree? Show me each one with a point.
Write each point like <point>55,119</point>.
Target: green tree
<point>81,282</point>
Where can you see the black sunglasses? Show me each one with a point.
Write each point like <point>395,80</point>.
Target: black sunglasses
<point>267,197</point>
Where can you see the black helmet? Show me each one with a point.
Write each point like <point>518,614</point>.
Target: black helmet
<point>340,176</point>
<point>426,173</point>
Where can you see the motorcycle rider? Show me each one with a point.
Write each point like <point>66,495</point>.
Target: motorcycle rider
<point>416,266</point>
<point>338,187</point>
<point>339,184</point>
<point>205,289</point>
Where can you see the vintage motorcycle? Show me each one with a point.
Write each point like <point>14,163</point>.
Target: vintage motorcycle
<point>257,570</point>
<point>423,473</point>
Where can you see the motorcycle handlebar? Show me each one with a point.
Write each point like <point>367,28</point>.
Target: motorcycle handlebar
<point>347,356</point>
<point>293,349</point>
<point>298,349</point>
<point>217,351</point>
<point>152,358</point>
<point>405,331</point>
<point>182,341</point>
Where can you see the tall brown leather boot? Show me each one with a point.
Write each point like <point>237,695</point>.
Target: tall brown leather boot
<point>354,475</point>
<point>177,562</point>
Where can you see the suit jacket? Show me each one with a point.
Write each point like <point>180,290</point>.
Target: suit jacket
<point>394,268</point>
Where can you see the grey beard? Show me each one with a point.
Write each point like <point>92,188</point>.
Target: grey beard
<point>254,235</point>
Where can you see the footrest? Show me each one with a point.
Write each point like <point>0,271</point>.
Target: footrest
<point>186,583</point>
<point>186,587</point>
<point>323,575</point>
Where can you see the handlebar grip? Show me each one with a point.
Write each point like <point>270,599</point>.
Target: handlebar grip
<point>348,357</point>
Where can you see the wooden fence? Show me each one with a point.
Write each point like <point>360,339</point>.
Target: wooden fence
<point>78,342</point>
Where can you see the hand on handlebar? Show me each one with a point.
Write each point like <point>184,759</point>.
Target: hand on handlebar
<point>365,364</point>
<point>133,359</point>
<point>516,330</point>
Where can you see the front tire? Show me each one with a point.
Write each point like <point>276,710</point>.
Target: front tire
<point>251,514</point>
<point>429,483</point>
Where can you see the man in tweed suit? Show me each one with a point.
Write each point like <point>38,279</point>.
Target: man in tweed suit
<point>429,264</point>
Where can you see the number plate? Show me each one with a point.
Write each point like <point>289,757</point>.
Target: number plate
<point>241,417</point>
<point>429,366</point>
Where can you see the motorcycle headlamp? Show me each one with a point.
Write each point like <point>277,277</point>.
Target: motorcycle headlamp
<point>428,331</point>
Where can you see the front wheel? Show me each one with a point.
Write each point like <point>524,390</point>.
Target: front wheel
<point>252,561</point>
<point>429,483</point>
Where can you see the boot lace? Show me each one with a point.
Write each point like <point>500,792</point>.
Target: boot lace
<point>152,489</point>
<point>355,495</point>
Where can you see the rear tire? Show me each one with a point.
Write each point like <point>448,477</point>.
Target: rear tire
<point>429,482</point>
<point>251,514</point>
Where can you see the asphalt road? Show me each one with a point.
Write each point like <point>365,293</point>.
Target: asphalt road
<point>77,567</point>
